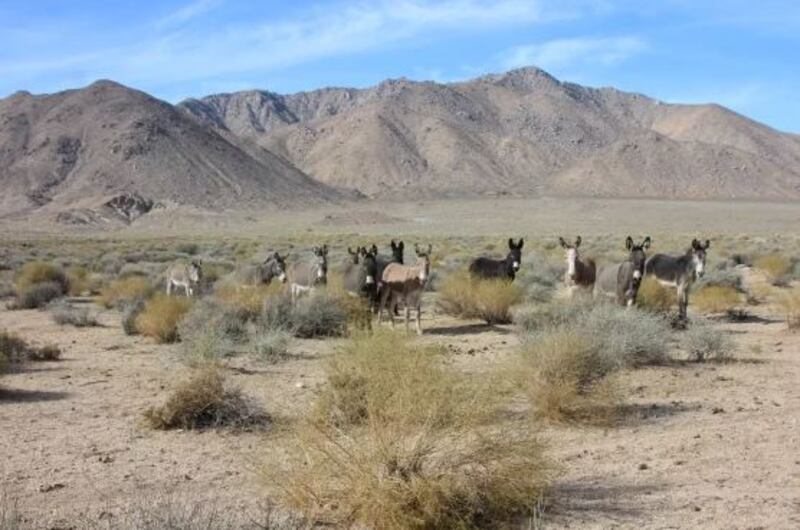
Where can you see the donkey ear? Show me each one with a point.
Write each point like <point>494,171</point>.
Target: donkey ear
<point>578,241</point>
<point>511,244</point>
<point>325,249</point>
<point>562,242</point>
<point>646,243</point>
<point>629,243</point>
<point>521,242</point>
<point>695,244</point>
<point>393,244</point>
<point>374,249</point>
<point>430,249</point>
<point>350,251</point>
<point>401,246</point>
<point>708,244</point>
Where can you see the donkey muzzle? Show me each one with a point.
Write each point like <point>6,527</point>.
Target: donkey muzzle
<point>370,280</point>
<point>282,277</point>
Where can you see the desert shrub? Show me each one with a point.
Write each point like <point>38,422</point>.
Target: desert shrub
<point>122,290</point>
<point>14,349</point>
<point>723,278</point>
<point>6,289</point>
<point>654,297</point>
<point>716,299</point>
<point>790,306</point>
<point>775,266</point>
<point>563,375</point>
<point>78,280</point>
<point>210,331</point>
<point>270,345</point>
<point>66,314</point>
<point>490,300</point>
<point>277,313</point>
<point>37,272</point>
<point>628,337</point>
<point>703,342</point>
<point>319,315</point>
<point>401,441</point>
<point>131,309</point>
<point>160,317</point>
<point>204,400</point>
<point>188,248</point>
<point>37,295</point>
<point>539,278</point>
<point>247,300</point>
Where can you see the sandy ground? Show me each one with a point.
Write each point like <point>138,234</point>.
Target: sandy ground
<point>702,445</point>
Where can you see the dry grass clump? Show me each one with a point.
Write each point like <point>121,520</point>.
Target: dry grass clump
<point>653,296</point>
<point>563,374</point>
<point>246,299</point>
<point>14,349</point>
<point>37,295</point>
<point>211,331</point>
<point>39,272</point>
<point>204,400</point>
<point>160,317</point>
<point>790,305</point>
<point>401,441</point>
<point>463,296</point>
<point>315,315</point>
<point>271,345</point>
<point>124,290</point>
<point>81,281</point>
<point>775,266</point>
<point>716,299</point>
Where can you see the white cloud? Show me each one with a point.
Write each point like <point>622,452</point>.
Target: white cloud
<point>187,12</point>
<point>563,53</point>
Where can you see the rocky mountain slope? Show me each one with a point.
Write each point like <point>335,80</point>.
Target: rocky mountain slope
<point>522,132</point>
<point>110,147</point>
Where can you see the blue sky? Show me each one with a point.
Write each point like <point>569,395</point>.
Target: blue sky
<point>743,54</point>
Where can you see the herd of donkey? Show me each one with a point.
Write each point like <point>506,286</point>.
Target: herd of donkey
<point>386,282</point>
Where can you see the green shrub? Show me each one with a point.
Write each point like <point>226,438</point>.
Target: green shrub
<point>210,331</point>
<point>38,295</point>
<point>66,314</point>
<point>270,345</point>
<point>131,309</point>
<point>703,342</point>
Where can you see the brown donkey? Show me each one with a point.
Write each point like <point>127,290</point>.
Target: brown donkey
<point>404,283</point>
<point>581,272</point>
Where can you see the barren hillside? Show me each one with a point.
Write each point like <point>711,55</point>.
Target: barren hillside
<point>77,150</point>
<point>518,133</point>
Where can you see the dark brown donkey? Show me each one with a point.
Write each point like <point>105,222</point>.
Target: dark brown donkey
<point>581,272</point>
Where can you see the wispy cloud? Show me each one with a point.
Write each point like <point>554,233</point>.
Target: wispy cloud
<point>563,53</point>
<point>187,12</point>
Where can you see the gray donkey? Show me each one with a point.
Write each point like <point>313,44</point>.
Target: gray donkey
<point>186,275</point>
<point>405,283</point>
<point>621,281</point>
<point>680,271</point>
<point>304,276</point>
<point>274,267</point>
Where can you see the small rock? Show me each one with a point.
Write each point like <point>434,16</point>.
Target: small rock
<point>717,410</point>
<point>642,467</point>
<point>300,384</point>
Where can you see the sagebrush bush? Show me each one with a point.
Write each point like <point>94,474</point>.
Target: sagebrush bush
<point>775,266</point>
<point>78,280</point>
<point>123,290</point>
<point>463,296</point>
<point>319,315</point>
<point>67,314</point>
<point>38,272</point>
<point>248,300</point>
<point>628,337</point>
<point>401,441</point>
<point>654,297</point>
<point>716,299</point>
<point>703,342</point>
<point>271,345</point>
<point>38,295</point>
<point>790,306</point>
<point>722,278</point>
<point>161,315</point>
<point>211,331</point>
<point>204,400</point>
<point>563,374</point>
<point>131,309</point>
<point>14,349</point>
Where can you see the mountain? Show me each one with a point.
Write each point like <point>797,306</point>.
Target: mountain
<point>117,151</point>
<point>522,132</point>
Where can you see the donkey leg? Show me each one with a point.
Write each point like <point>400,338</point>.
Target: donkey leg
<point>169,287</point>
<point>681,303</point>
<point>408,317</point>
<point>419,319</point>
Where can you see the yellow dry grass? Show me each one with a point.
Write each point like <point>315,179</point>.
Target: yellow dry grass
<point>716,299</point>
<point>463,296</point>
<point>160,317</point>
<point>125,289</point>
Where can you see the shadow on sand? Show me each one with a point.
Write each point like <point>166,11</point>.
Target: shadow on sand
<point>15,395</point>
<point>467,329</point>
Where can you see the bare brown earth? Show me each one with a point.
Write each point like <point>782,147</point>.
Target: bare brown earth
<point>701,445</point>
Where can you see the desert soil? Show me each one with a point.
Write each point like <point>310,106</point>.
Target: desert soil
<point>701,445</point>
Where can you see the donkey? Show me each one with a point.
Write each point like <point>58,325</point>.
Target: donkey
<point>263,273</point>
<point>580,272</point>
<point>499,268</point>
<point>361,278</point>
<point>304,276</point>
<point>622,281</point>
<point>383,261</point>
<point>355,254</point>
<point>186,275</point>
<point>406,283</point>
<point>680,271</point>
